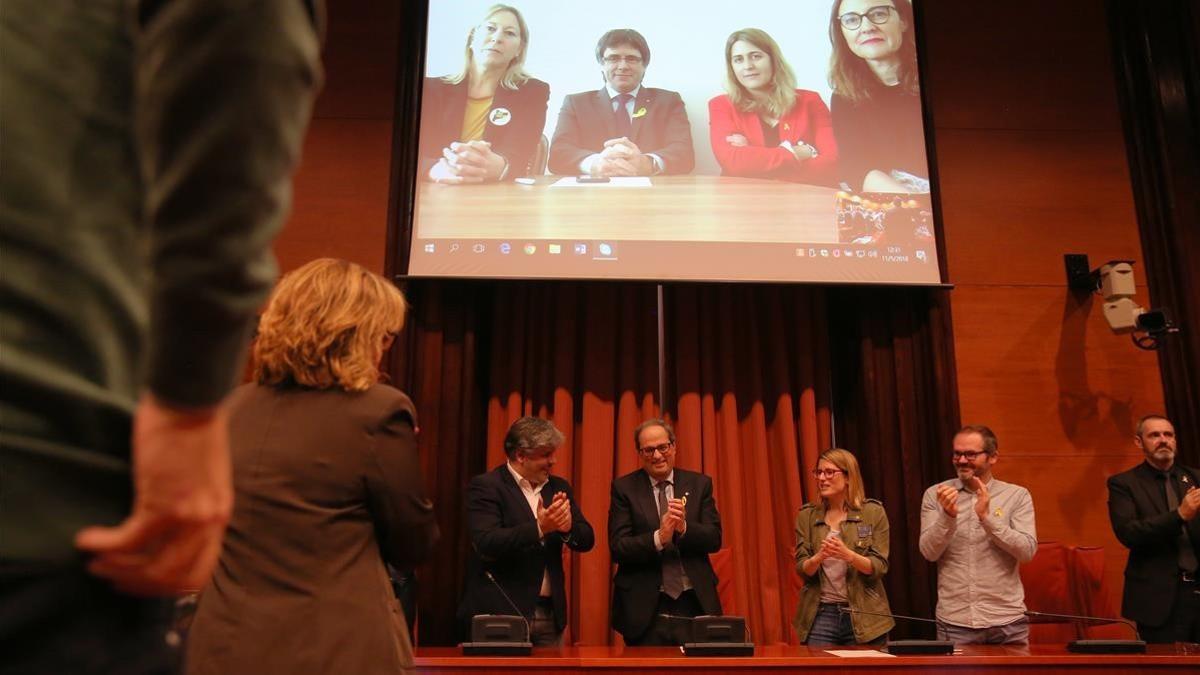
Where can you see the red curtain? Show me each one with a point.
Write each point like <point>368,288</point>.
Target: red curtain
<point>748,388</point>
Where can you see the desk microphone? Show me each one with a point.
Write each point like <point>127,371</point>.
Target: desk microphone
<point>1134,646</point>
<point>528,627</point>
<point>909,646</point>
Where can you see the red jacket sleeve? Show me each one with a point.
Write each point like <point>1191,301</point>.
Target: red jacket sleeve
<point>752,161</point>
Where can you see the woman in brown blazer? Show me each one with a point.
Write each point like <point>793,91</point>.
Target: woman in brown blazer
<point>327,487</point>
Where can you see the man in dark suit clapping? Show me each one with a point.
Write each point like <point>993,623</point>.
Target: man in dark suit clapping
<point>662,524</point>
<point>1153,508</point>
<point>519,517</point>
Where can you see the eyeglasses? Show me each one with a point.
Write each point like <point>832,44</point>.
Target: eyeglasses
<point>649,450</point>
<point>876,15</point>
<point>969,456</point>
<point>614,59</point>
<point>827,473</point>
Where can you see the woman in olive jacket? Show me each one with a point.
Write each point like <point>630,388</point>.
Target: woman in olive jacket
<point>842,555</point>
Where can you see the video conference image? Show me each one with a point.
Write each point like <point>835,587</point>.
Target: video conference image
<point>671,140</point>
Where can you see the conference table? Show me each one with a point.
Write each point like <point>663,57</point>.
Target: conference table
<point>798,659</point>
<point>663,208</point>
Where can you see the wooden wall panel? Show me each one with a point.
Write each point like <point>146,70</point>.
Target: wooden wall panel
<point>1032,163</point>
<point>1020,65</point>
<point>341,194</point>
<point>1015,201</point>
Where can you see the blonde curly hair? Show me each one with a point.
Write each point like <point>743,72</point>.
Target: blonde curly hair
<point>327,325</point>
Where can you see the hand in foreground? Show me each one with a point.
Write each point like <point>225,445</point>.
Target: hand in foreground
<point>947,496</point>
<point>183,496</point>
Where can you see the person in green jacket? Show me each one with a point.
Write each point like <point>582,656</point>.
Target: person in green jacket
<point>842,555</point>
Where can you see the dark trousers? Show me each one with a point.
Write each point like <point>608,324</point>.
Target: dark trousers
<point>543,630</point>
<point>1183,623</point>
<point>66,621</point>
<point>672,623</point>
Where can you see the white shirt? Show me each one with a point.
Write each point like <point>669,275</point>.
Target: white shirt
<point>532,494</point>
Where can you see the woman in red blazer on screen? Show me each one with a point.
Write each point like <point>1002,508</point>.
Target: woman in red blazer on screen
<point>765,127</point>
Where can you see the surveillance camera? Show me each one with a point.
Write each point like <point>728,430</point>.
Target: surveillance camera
<point>1122,315</point>
<point>1116,280</point>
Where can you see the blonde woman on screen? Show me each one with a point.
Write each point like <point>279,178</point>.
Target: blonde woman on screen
<point>764,127</point>
<point>327,488</point>
<point>483,123</point>
<point>876,101</point>
<point>842,555</point>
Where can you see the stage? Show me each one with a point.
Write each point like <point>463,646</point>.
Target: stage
<point>780,658</point>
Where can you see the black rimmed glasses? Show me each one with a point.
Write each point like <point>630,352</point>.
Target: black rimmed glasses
<point>877,15</point>
<point>827,473</point>
<point>649,450</point>
<point>970,455</point>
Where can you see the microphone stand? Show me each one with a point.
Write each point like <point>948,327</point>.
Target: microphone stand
<point>910,646</point>
<point>1084,646</point>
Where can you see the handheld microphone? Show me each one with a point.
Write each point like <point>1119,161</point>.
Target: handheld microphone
<point>909,646</point>
<point>1134,646</point>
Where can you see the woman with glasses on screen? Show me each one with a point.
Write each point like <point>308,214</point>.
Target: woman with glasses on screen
<point>842,555</point>
<point>876,101</point>
<point>763,126</point>
<point>327,486</point>
<point>483,124</point>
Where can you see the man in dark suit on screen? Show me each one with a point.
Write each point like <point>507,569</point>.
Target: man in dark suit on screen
<point>662,524</point>
<point>1153,509</point>
<point>519,517</point>
<point>624,129</point>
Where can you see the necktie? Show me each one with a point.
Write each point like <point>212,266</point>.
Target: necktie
<point>1187,555</point>
<point>672,565</point>
<point>621,114</point>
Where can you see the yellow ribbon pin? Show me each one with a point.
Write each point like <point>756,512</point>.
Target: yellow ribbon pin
<point>641,112</point>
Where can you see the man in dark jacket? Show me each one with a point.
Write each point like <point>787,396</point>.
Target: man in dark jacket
<point>519,517</point>
<point>662,524</point>
<point>1153,509</point>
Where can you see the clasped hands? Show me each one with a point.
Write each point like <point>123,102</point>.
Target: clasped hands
<point>557,516</point>
<point>469,162</point>
<point>674,520</point>
<point>622,157</point>
<point>947,496</point>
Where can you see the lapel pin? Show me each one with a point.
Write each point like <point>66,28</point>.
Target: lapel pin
<point>500,116</point>
<point>641,112</point>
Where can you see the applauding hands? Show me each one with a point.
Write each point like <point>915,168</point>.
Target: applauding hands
<point>557,516</point>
